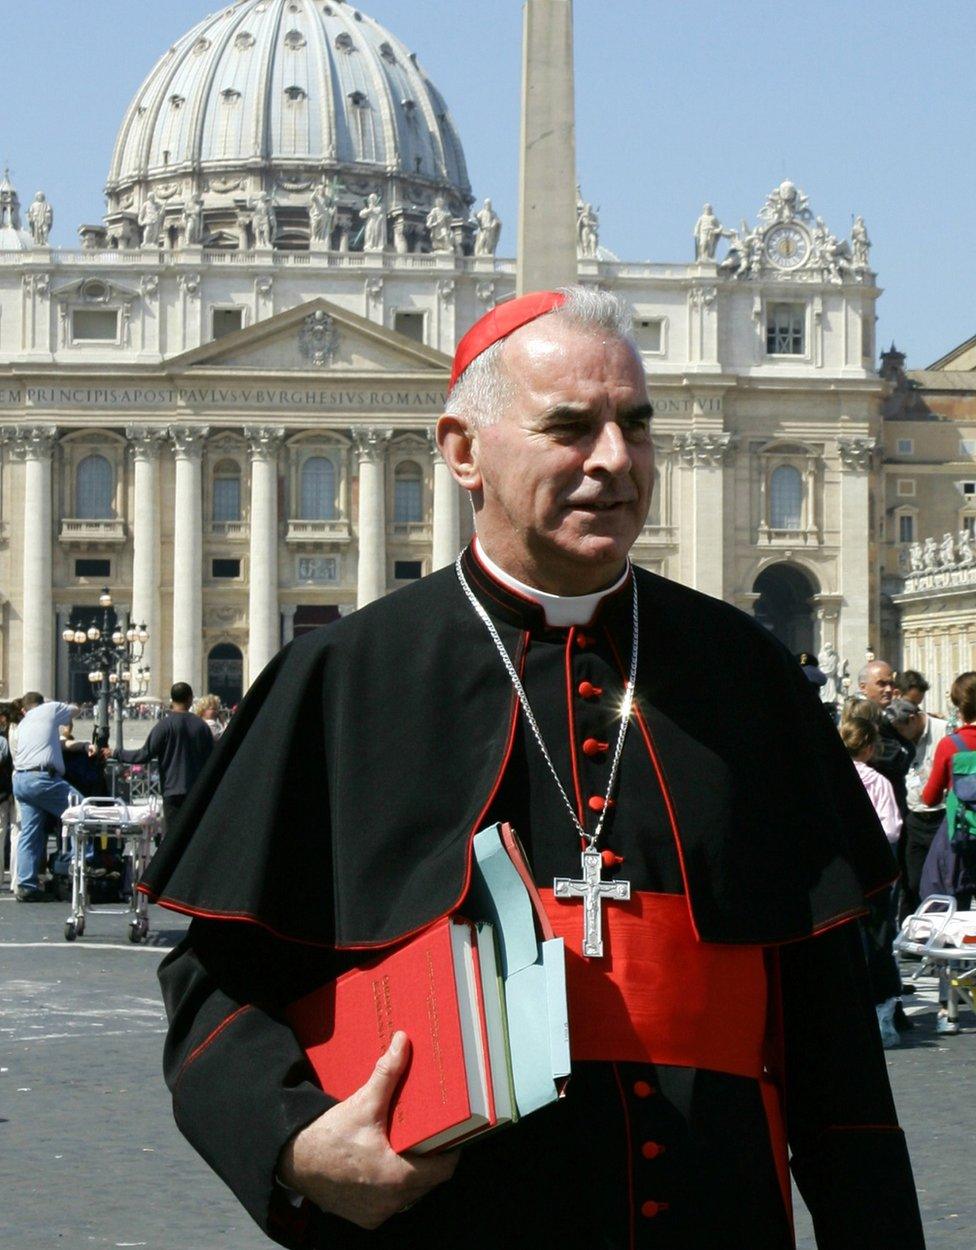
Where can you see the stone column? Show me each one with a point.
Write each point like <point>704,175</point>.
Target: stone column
<point>547,175</point>
<point>855,572</point>
<point>63,666</point>
<point>146,443</point>
<point>35,446</point>
<point>263,616</point>
<point>447,511</point>
<point>188,442</point>
<point>702,454</point>
<point>370,443</point>
<point>288,611</point>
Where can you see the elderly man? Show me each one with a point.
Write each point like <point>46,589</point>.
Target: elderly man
<point>876,681</point>
<point>337,814</point>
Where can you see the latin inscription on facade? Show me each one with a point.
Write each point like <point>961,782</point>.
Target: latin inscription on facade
<point>235,398</point>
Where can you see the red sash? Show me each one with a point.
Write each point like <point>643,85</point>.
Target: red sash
<point>659,995</point>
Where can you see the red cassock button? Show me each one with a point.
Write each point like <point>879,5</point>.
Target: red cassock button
<point>649,1209</point>
<point>584,640</point>
<point>586,690</point>
<point>642,1089</point>
<point>596,803</point>
<point>651,1149</point>
<point>594,747</point>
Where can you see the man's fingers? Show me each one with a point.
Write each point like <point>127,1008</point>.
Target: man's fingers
<point>390,1067</point>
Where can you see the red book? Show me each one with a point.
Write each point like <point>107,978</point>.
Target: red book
<point>432,989</point>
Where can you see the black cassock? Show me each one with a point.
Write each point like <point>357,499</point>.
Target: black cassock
<point>336,815</point>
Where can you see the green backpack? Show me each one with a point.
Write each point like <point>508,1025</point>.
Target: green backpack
<point>961,799</point>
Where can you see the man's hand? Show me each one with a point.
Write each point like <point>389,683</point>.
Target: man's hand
<point>343,1161</point>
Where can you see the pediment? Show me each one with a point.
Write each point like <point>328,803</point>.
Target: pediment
<point>317,337</point>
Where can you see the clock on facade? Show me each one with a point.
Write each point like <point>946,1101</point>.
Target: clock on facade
<point>787,246</point>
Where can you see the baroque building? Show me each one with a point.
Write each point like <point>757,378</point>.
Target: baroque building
<point>221,403</point>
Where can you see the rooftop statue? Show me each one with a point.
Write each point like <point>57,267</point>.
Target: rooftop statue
<point>322,209</point>
<point>708,231</point>
<point>192,222</point>
<point>264,220</point>
<point>587,232</point>
<point>374,232</point>
<point>489,230</point>
<point>40,219</point>
<point>439,225</point>
<point>151,220</point>
<point>860,244</point>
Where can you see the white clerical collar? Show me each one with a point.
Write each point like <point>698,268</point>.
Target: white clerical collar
<point>561,610</point>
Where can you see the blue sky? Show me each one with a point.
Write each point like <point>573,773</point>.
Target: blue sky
<point>867,106</point>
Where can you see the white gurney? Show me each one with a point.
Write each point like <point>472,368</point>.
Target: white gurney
<point>944,940</point>
<point>137,827</point>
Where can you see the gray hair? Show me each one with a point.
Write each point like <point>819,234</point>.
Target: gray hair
<point>865,672</point>
<point>484,388</point>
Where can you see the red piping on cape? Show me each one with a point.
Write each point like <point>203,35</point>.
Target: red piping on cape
<point>629,1155</point>
<point>662,782</point>
<point>358,946</point>
<point>772,1084</point>
<point>574,762</point>
<point>212,1037</point>
<point>476,552</point>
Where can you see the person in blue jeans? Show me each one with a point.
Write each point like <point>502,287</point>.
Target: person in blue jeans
<point>39,788</point>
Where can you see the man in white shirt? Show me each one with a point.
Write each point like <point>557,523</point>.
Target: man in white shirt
<point>39,788</point>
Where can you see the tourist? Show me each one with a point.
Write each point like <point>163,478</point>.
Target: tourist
<point>40,789</point>
<point>180,744</point>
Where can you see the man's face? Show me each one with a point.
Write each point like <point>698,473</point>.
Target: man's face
<point>567,471</point>
<point>915,695</point>
<point>880,684</point>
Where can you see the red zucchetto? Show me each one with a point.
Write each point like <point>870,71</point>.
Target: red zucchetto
<point>500,323</point>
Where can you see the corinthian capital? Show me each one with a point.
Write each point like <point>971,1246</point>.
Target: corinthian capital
<point>264,441</point>
<point>370,442</point>
<point>34,442</point>
<point>704,447</point>
<point>189,440</point>
<point>146,441</point>
<point>856,453</point>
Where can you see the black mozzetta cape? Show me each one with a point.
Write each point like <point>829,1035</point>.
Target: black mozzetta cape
<point>338,808</point>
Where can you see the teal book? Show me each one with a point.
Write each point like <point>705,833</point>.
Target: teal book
<point>531,965</point>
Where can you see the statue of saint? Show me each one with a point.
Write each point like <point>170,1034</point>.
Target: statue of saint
<point>40,219</point>
<point>830,667</point>
<point>930,555</point>
<point>860,244</point>
<point>965,554</point>
<point>439,226</point>
<point>192,222</point>
<point>947,552</point>
<point>374,215</point>
<point>264,220</point>
<point>708,231</point>
<point>587,232</point>
<point>489,229</point>
<point>151,220</point>
<point>322,214</point>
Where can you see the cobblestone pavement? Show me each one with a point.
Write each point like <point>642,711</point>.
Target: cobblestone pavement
<point>92,1157</point>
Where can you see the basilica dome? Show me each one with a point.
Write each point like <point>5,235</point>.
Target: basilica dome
<point>274,97</point>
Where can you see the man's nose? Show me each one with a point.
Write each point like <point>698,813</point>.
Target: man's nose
<point>610,452</point>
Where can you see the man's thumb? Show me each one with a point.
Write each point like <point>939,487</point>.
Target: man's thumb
<point>389,1069</point>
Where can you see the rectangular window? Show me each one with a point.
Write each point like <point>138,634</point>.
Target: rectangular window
<point>93,568</point>
<point>649,334</point>
<point>969,523</point>
<point>785,329</point>
<point>226,568</point>
<point>407,570</point>
<point>95,325</point>
<point>906,447</point>
<point>410,325</point>
<point>906,487</point>
<point>968,488</point>
<point>906,528</point>
<point>227,321</point>
<point>227,499</point>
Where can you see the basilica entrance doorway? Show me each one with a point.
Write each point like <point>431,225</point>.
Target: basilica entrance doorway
<point>225,673</point>
<point>784,605</point>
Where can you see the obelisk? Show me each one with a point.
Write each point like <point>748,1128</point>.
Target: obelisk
<point>547,182</point>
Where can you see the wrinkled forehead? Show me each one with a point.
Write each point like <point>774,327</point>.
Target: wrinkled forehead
<point>554,354</point>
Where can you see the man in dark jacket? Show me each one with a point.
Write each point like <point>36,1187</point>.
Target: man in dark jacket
<point>180,743</point>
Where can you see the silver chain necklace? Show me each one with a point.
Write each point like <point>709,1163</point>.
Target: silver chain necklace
<point>591,889</point>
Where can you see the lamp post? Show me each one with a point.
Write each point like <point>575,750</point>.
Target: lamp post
<point>112,657</point>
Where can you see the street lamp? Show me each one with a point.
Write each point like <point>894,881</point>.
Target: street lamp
<point>111,658</point>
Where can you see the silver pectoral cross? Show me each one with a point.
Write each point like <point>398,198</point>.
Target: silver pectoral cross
<point>592,890</point>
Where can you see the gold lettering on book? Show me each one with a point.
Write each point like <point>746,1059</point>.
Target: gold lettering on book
<point>433,1019</point>
<point>383,1006</point>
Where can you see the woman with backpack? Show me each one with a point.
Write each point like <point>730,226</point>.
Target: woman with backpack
<point>950,867</point>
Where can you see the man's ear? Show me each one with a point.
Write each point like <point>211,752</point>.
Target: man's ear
<point>458,444</point>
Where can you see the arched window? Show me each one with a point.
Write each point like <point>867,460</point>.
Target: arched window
<point>227,491</point>
<point>318,489</point>
<point>408,493</point>
<point>786,498</point>
<point>94,488</point>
